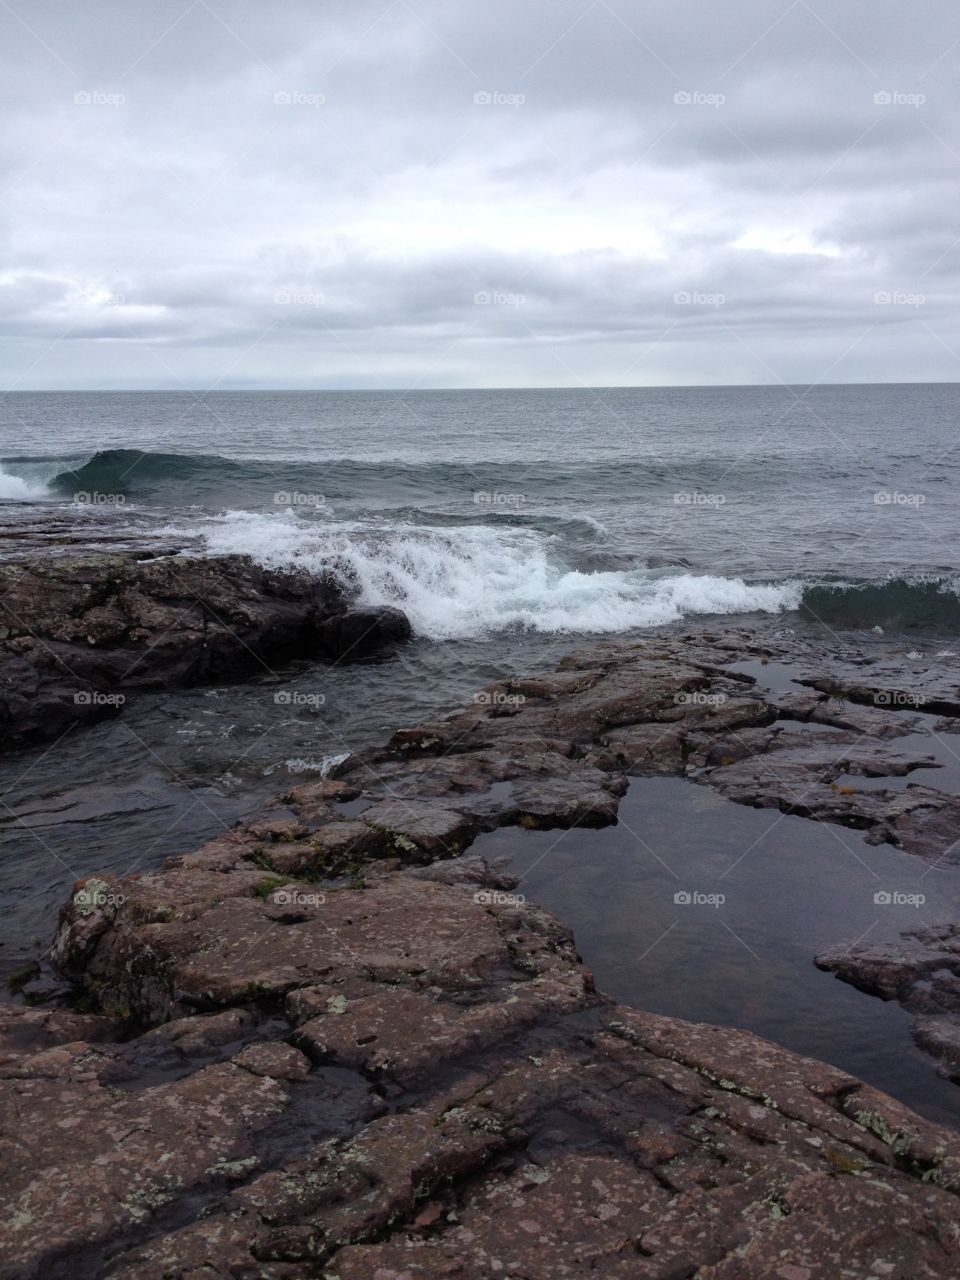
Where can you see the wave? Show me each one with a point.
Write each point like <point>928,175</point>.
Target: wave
<point>17,489</point>
<point>498,489</point>
<point>893,603</point>
<point>476,581</point>
<point>131,470</point>
<point>470,581</point>
<point>580,526</point>
<point>461,549</point>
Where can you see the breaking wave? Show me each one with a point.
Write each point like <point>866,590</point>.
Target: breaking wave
<point>17,489</point>
<point>894,604</point>
<point>474,581</point>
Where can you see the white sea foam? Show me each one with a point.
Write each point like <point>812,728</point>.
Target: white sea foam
<point>476,580</point>
<point>298,764</point>
<point>16,489</point>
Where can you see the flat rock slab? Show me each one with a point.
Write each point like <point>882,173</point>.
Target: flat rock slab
<point>679,706</point>
<point>217,941</point>
<point>628,1144</point>
<point>921,970</point>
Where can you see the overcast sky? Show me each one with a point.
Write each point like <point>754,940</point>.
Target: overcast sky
<point>355,193</point>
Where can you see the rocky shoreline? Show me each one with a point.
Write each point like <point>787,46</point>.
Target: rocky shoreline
<point>80,633</point>
<point>335,1043</point>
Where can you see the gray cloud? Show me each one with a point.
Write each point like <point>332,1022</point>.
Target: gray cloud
<point>375,194</point>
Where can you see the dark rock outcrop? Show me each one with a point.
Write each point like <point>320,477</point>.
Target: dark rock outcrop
<point>922,971</point>
<point>674,706</point>
<point>77,635</point>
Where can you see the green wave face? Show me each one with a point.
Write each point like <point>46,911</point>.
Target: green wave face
<point>897,604</point>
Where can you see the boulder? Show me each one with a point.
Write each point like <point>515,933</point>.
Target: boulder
<point>79,634</point>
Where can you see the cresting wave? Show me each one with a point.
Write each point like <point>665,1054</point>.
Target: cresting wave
<point>415,534</point>
<point>189,478</point>
<point>456,583</point>
<point>133,471</point>
<point>16,489</point>
<point>475,581</point>
<point>893,604</point>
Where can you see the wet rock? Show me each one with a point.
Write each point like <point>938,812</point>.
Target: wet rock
<point>412,828</point>
<point>633,1145</point>
<point>479,790</point>
<point>677,707</point>
<point>885,688</point>
<point>926,821</point>
<point>941,1037</point>
<point>805,782</point>
<point>403,1033</point>
<point>648,749</point>
<point>24,1032</point>
<point>197,1036</point>
<point>230,946</point>
<point>920,969</point>
<point>469,870</point>
<point>95,1161</point>
<point>360,633</point>
<point>277,1061</point>
<point>80,634</point>
<point>412,1075</point>
<point>923,966</point>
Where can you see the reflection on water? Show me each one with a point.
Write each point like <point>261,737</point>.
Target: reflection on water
<point>702,909</point>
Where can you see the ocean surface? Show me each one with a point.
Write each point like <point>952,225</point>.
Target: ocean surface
<point>512,527</point>
<point>484,512</point>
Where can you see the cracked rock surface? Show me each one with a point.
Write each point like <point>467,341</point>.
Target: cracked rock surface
<point>334,1044</point>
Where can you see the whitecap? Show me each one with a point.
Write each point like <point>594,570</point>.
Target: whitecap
<point>476,580</point>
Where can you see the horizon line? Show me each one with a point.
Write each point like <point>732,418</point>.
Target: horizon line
<point>599,386</point>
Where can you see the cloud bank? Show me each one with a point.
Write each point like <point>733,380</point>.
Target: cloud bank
<point>227,194</point>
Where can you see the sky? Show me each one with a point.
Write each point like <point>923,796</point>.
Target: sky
<point>231,194</point>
